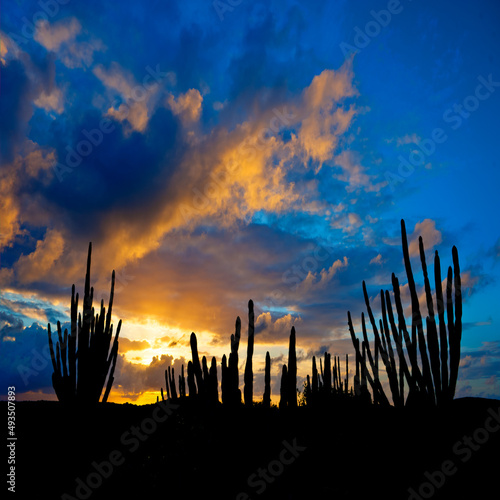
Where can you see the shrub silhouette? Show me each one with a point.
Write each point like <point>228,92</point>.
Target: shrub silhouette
<point>79,375</point>
<point>430,381</point>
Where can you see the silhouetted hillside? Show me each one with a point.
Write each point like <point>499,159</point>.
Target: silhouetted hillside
<point>346,451</point>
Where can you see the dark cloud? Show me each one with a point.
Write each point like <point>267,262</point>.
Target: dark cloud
<point>15,108</point>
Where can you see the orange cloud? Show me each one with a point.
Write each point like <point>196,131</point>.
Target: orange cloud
<point>127,345</point>
<point>187,106</point>
<point>38,264</point>
<point>34,162</point>
<point>52,36</point>
<point>430,235</point>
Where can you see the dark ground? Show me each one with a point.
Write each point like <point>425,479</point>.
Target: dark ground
<point>350,452</point>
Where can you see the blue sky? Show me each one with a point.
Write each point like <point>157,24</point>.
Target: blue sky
<point>215,152</point>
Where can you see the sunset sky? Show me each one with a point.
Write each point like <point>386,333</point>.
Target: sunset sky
<point>216,152</point>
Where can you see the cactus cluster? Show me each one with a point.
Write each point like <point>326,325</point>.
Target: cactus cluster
<point>327,384</point>
<point>87,356</point>
<point>202,381</point>
<point>431,381</point>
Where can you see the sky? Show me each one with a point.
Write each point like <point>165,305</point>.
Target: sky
<point>216,152</point>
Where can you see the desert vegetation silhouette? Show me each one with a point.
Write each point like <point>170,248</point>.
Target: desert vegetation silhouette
<point>394,399</point>
<point>421,366</point>
<point>80,374</point>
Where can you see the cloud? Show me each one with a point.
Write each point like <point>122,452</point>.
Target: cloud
<point>377,260</point>
<point>133,379</point>
<point>38,264</point>
<point>323,118</point>
<point>187,106</point>
<point>354,174</point>
<point>321,279</point>
<point>274,331</point>
<point>127,345</point>
<point>52,36</point>
<point>430,235</point>
<point>139,99</point>
<point>60,37</point>
<point>408,139</point>
<point>32,163</point>
<point>51,102</point>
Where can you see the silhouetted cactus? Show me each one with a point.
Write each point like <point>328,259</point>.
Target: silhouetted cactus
<point>182,383</point>
<point>233,380</point>
<point>214,384</point>
<point>327,379</point>
<point>248,389</point>
<point>80,376</point>
<point>292,372</point>
<point>196,363</point>
<point>171,380</point>
<point>191,381</point>
<point>167,384</point>
<point>314,388</point>
<point>346,383</point>
<point>284,388</point>
<point>267,382</point>
<point>224,381</point>
<point>428,381</point>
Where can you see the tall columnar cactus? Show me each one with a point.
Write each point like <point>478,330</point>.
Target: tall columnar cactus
<point>233,381</point>
<point>191,380</point>
<point>346,383</point>
<point>182,383</point>
<point>430,380</point>
<point>327,382</point>
<point>214,384</point>
<point>196,363</point>
<point>224,381</point>
<point>267,382</point>
<point>248,389</point>
<point>167,384</point>
<point>171,378</point>
<point>284,388</point>
<point>80,375</point>
<point>314,388</point>
<point>292,372</point>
